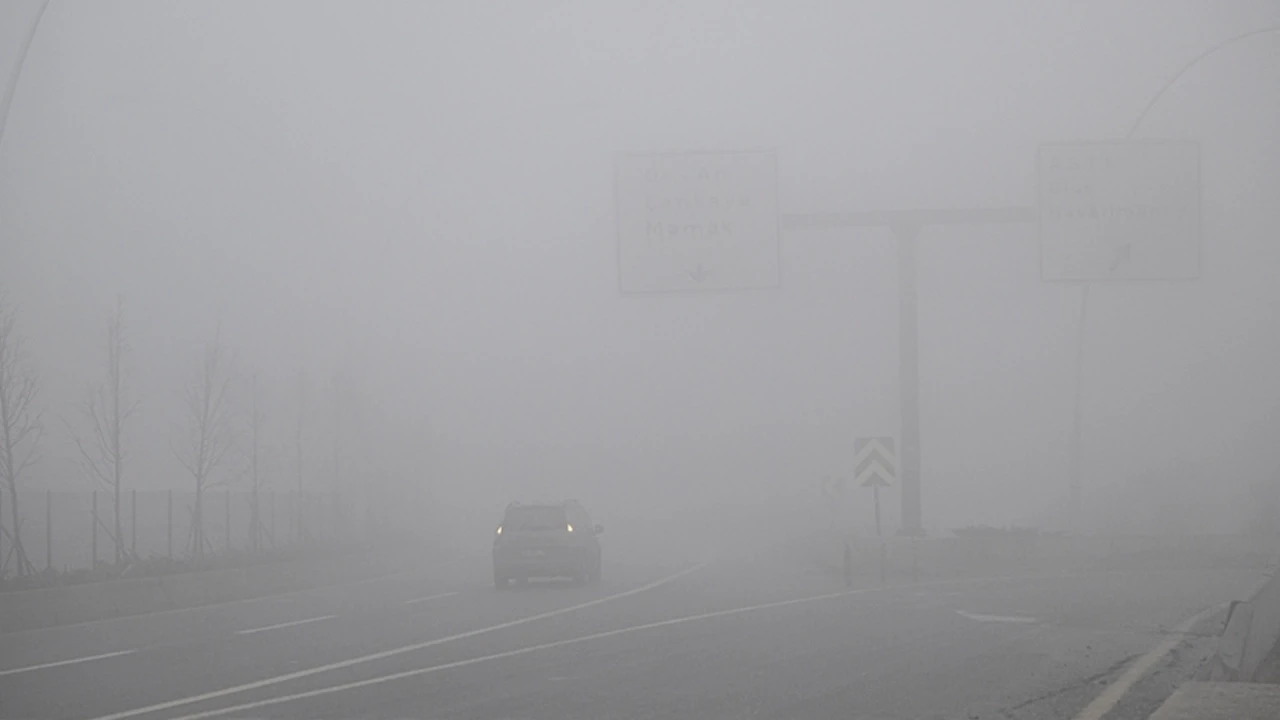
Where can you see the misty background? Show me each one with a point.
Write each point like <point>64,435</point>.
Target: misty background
<point>407,209</point>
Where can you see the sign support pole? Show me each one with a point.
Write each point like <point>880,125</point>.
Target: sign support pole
<point>1076,422</point>
<point>876,488</point>
<point>909,378</point>
<point>879,534</point>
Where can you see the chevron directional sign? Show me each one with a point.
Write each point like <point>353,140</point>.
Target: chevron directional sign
<point>875,463</point>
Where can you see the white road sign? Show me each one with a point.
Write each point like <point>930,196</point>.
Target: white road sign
<point>875,464</point>
<point>1120,211</point>
<point>697,221</point>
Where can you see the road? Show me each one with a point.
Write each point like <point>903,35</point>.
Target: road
<point>681,627</point>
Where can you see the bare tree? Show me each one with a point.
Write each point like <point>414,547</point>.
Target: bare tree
<point>208,430</point>
<point>298,438</point>
<point>20,423</point>
<point>106,411</point>
<point>346,429</point>
<point>257,469</point>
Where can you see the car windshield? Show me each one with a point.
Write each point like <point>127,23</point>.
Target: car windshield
<point>534,518</point>
<point>661,359</point>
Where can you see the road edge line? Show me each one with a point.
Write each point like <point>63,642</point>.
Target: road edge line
<point>1115,692</point>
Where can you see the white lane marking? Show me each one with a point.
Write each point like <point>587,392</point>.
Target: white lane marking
<point>267,682</point>
<point>523,651</point>
<point>60,663</point>
<point>997,618</point>
<point>274,597</point>
<point>1155,654</point>
<point>429,598</point>
<point>277,626</point>
<point>1110,697</point>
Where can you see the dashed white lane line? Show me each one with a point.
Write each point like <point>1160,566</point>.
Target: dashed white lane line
<point>267,682</point>
<point>1105,702</point>
<point>252,631</point>
<point>60,663</point>
<point>524,651</point>
<point>429,598</point>
<point>1095,711</point>
<point>275,597</point>
<point>1116,691</point>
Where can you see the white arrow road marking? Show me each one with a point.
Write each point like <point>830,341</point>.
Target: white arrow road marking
<point>60,663</point>
<point>285,625</point>
<point>997,618</point>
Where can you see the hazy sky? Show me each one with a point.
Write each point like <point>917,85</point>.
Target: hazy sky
<point>422,192</point>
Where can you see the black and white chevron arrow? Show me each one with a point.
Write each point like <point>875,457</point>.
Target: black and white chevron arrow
<point>875,463</point>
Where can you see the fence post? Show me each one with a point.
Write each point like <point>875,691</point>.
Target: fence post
<point>93,515</point>
<point>133,519</point>
<point>48,530</point>
<point>169,523</point>
<point>228,519</point>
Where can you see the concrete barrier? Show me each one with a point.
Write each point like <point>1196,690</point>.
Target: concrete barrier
<point>1250,636</point>
<point>1264,628</point>
<point>48,607</point>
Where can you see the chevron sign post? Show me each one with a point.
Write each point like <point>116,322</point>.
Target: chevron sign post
<point>875,466</point>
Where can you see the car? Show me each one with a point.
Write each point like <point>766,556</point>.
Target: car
<point>546,541</point>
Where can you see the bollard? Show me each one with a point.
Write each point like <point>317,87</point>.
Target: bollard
<point>883,560</point>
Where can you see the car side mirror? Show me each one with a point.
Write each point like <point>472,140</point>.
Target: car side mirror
<point>599,529</point>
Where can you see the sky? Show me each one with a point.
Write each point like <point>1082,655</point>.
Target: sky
<point>415,201</point>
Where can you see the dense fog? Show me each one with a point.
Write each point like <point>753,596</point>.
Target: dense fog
<point>400,218</point>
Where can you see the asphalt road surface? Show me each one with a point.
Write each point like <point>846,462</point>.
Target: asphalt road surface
<point>684,629</point>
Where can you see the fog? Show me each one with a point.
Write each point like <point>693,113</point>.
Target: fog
<point>407,210</point>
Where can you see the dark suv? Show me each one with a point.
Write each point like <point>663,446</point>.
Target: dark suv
<point>546,541</point>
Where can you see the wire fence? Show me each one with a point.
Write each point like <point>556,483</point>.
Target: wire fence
<point>62,531</point>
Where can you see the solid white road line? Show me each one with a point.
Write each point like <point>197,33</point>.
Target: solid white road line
<point>472,633</point>
<point>60,663</point>
<point>997,618</point>
<point>251,631</point>
<point>526,650</point>
<point>1110,697</point>
<point>429,598</point>
<point>267,682</point>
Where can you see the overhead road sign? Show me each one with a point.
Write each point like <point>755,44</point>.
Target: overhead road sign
<point>1119,210</point>
<point>697,221</point>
